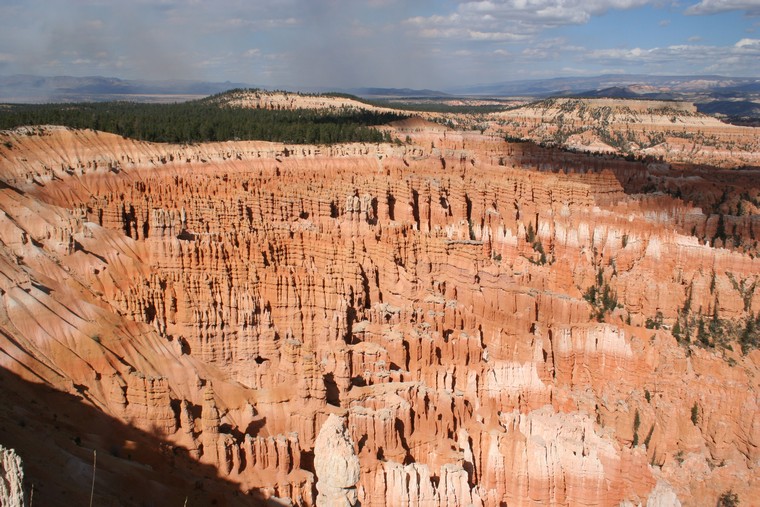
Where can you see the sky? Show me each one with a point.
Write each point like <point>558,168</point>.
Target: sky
<point>436,44</point>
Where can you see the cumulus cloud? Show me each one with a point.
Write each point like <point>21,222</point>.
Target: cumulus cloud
<point>684,57</point>
<point>750,7</point>
<point>344,43</point>
<point>513,19</point>
<point>748,44</point>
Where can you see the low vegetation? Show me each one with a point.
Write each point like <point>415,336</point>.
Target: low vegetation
<point>205,120</point>
<point>728,499</point>
<point>709,331</point>
<point>538,247</point>
<point>636,425</point>
<point>601,297</point>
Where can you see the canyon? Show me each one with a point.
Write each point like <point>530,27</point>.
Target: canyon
<point>485,322</point>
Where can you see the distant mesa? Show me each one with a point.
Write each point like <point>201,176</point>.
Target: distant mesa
<point>397,92</point>
<point>670,130</point>
<point>614,92</point>
<point>575,85</point>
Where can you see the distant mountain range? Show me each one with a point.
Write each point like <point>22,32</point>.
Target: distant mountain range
<point>637,83</point>
<point>736,99</point>
<point>37,89</point>
<point>66,88</point>
<point>396,92</point>
<point>732,97</point>
<point>34,89</point>
<point>735,102</point>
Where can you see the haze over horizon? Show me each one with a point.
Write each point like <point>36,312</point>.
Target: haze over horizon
<point>384,43</point>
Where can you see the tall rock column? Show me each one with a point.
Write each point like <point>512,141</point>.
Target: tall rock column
<point>12,478</point>
<point>336,465</point>
<point>210,428</point>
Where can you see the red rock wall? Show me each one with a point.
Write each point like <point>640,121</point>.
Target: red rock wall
<point>230,296</point>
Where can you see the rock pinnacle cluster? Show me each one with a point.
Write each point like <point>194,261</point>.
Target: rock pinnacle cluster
<point>449,319</point>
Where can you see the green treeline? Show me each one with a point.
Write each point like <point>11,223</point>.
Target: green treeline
<point>199,121</point>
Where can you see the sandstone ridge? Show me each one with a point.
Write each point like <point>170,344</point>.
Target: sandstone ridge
<point>669,130</point>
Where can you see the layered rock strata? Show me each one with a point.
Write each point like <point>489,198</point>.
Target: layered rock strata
<point>668,130</point>
<point>232,299</point>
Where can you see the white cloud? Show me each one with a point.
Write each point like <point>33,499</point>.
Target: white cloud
<point>494,36</point>
<point>621,54</point>
<point>252,24</point>
<point>748,43</point>
<point>363,42</point>
<point>380,3</point>
<point>683,58</point>
<point>501,20</point>
<point>750,7</point>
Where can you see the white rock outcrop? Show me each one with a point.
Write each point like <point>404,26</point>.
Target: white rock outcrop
<point>663,496</point>
<point>336,465</point>
<point>11,478</point>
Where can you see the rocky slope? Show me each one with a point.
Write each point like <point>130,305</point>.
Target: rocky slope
<point>495,322</point>
<point>262,99</point>
<point>673,131</point>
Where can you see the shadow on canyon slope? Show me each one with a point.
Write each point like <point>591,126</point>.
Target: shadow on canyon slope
<point>728,198</point>
<point>641,175</point>
<point>55,433</point>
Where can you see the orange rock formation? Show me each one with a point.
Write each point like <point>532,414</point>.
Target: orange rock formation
<point>668,130</point>
<point>201,311</point>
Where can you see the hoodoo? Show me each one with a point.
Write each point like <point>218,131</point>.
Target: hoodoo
<point>451,319</point>
<point>336,465</point>
<point>11,478</point>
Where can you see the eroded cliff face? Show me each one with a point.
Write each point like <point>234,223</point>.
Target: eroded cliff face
<point>669,130</point>
<point>495,326</point>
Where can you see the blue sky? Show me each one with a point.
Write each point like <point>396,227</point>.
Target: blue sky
<point>394,43</point>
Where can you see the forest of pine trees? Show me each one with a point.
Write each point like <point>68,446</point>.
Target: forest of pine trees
<point>199,121</point>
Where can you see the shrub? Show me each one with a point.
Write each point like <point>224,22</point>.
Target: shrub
<point>530,234</point>
<point>728,499</point>
<point>636,424</point>
<point>649,436</point>
<point>655,323</point>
